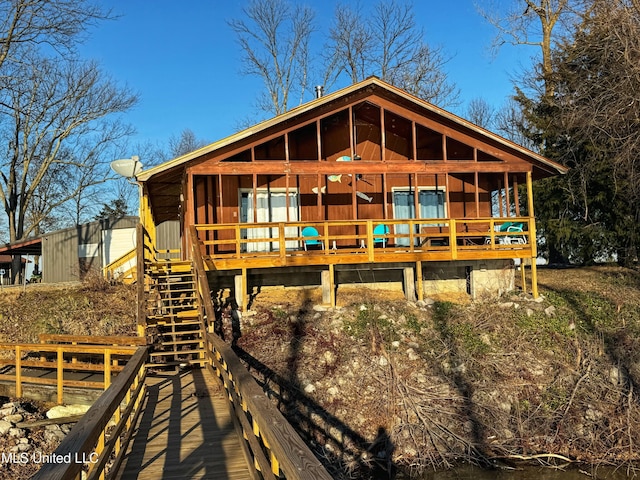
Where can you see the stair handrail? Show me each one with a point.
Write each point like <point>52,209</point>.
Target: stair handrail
<point>109,270</point>
<point>258,421</point>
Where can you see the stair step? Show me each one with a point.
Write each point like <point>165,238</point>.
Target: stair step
<point>181,333</point>
<point>172,353</point>
<point>184,342</point>
<point>183,314</point>
<point>177,363</point>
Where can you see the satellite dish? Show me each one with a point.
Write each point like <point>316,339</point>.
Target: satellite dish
<point>127,167</point>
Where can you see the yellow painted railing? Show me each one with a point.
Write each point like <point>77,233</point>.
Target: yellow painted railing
<point>98,442</point>
<point>122,268</point>
<point>231,246</point>
<point>30,364</point>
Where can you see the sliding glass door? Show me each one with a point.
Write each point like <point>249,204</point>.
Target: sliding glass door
<point>270,206</point>
<point>431,203</point>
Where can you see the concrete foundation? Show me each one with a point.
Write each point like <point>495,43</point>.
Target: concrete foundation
<point>478,279</point>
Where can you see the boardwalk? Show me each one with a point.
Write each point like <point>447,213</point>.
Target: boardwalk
<point>184,432</point>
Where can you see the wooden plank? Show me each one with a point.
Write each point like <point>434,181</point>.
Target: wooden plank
<point>92,339</point>
<point>185,431</point>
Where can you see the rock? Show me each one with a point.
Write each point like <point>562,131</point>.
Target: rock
<point>16,432</point>
<point>333,391</point>
<point>5,427</point>
<point>428,302</point>
<point>329,358</point>
<point>529,312</point>
<point>15,418</point>
<point>382,361</point>
<point>616,376</point>
<point>61,411</point>
<point>53,435</point>
<point>413,356</point>
<point>7,409</point>
<point>550,311</point>
<point>319,308</point>
<point>310,388</point>
<point>363,308</point>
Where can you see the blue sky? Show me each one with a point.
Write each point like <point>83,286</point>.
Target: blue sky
<point>182,59</point>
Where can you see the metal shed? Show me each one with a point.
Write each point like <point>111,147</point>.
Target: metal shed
<point>69,254</point>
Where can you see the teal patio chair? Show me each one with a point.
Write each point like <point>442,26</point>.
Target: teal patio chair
<point>310,237</point>
<point>379,233</point>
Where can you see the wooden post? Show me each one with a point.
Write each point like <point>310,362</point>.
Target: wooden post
<point>409,284</point>
<point>18,371</point>
<point>240,287</point>
<point>332,285</point>
<point>60,375</point>
<point>532,238</point>
<point>107,368</point>
<point>419,285</point>
<point>327,285</point>
<point>523,276</point>
<point>140,278</point>
<point>453,240</point>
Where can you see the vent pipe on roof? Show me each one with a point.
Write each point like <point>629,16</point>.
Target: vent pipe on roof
<point>319,91</point>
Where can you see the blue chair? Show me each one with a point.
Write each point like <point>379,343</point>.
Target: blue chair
<point>310,237</point>
<point>379,233</point>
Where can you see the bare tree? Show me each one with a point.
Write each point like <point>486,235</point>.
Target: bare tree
<point>185,143</point>
<point>511,123</point>
<point>350,43</point>
<point>388,43</point>
<point>535,23</point>
<point>57,118</point>
<point>274,39</point>
<point>480,112</point>
<point>27,24</point>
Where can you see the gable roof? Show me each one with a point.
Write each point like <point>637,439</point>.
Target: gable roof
<point>550,167</point>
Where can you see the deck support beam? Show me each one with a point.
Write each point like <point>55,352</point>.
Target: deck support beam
<point>409,284</point>
<point>328,286</point>
<point>240,288</point>
<point>419,285</point>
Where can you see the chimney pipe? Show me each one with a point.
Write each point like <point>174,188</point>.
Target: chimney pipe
<point>319,91</point>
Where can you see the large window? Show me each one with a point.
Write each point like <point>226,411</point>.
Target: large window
<point>270,206</point>
<point>431,202</point>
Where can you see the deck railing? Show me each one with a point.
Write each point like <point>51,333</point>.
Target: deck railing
<point>98,442</point>
<point>270,443</point>
<point>46,364</point>
<point>282,243</point>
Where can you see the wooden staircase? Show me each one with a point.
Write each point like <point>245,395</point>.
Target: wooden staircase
<point>174,323</point>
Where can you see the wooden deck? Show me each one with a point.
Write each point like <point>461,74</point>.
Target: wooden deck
<point>185,431</point>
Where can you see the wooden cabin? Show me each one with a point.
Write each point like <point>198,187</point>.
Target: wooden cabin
<point>368,184</point>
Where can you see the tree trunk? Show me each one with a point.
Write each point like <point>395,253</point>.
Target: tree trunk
<point>16,268</point>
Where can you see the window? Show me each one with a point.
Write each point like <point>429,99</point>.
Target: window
<point>431,202</point>
<point>270,206</point>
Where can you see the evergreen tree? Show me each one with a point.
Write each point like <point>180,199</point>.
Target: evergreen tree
<point>590,125</point>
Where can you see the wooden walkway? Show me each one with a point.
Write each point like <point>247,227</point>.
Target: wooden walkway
<point>185,432</point>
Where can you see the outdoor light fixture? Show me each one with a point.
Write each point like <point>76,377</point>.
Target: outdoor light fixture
<point>127,167</point>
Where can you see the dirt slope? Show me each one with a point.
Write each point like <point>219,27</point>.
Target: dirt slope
<point>380,383</point>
